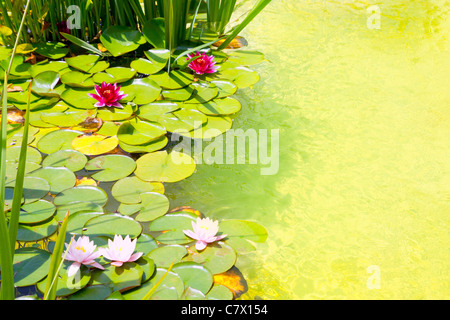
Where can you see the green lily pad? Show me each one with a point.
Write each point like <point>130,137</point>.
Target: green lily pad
<point>129,190</point>
<point>111,167</point>
<point>70,159</point>
<point>121,278</point>
<point>19,69</point>
<point>76,207</point>
<point>52,50</point>
<point>164,256</point>
<point>155,32</point>
<point>109,128</point>
<point>146,243</point>
<point>36,232</point>
<point>144,90</point>
<point>33,155</point>
<point>78,220</point>
<point>108,225</point>
<point>226,88</point>
<point>157,60</point>
<point>60,67</point>
<point>12,167</point>
<point>92,293</point>
<point>150,147</point>
<point>153,111</point>
<point>183,120</point>
<point>45,83</point>
<point>204,92</point>
<point>217,257</point>
<point>194,275</point>
<point>115,114</point>
<point>182,94</point>
<point>215,127</point>
<point>87,63</point>
<point>240,232</point>
<point>57,140</point>
<point>30,266</point>
<point>219,292</point>
<point>172,225</point>
<point>242,77</point>
<point>95,144</point>
<point>176,80</point>
<point>220,107</point>
<point>68,285</point>
<point>135,132</point>
<point>84,193</point>
<point>120,40</point>
<point>59,179</point>
<point>36,212</point>
<point>34,188</point>
<point>154,205</point>
<point>115,75</point>
<point>68,118</point>
<point>246,57</point>
<point>164,167</point>
<point>78,97</point>
<point>78,79</point>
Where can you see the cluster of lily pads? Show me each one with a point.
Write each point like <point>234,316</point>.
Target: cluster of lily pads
<point>78,150</point>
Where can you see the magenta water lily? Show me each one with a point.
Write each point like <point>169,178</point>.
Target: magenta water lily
<point>108,95</point>
<point>203,64</point>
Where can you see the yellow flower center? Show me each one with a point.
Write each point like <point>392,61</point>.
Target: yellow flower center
<point>80,248</point>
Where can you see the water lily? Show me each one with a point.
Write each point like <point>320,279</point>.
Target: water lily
<point>108,95</point>
<point>82,251</point>
<point>121,250</point>
<point>203,64</point>
<point>205,231</point>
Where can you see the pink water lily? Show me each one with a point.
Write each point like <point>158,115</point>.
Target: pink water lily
<point>205,231</point>
<point>108,95</point>
<point>120,251</point>
<point>82,252</point>
<point>203,64</point>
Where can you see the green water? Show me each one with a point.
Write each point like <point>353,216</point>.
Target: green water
<point>364,174</point>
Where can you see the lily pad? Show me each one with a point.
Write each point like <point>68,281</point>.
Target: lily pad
<point>52,50</point>
<point>115,114</point>
<point>111,167</point>
<point>242,77</point>
<point>60,67</point>
<point>182,94</point>
<point>215,127</point>
<point>76,207</point>
<point>59,179</point>
<point>194,275</point>
<point>156,60</point>
<point>87,63</point>
<point>176,80</point>
<point>172,225</point>
<point>84,193</point>
<point>246,57</point>
<point>120,40</point>
<point>78,97</point>
<point>30,266</point>
<point>71,159</point>
<point>33,155</point>
<point>204,92</point>
<point>94,144</point>
<point>36,212</point>
<point>129,190</point>
<point>144,90</point>
<point>45,83</point>
<point>164,167</point>
<point>108,225</point>
<point>137,132</point>
<point>226,88</point>
<point>150,147</point>
<point>68,118</point>
<point>34,188</point>
<point>57,140</point>
<point>218,257</point>
<point>220,107</point>
<point>153,111</point>
<point>78,79</point>
<point>154,205</point>
<point>219,292</point>
<point>183,120</point>
<point>121,278</point>
<point>240,232</point>
<point>36,232</point>
<point>164,256</point>
<point>78,220</point>
<point>115,75</point>
<point>155,32</point>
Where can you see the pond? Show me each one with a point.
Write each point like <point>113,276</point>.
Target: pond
<point>363,184</point>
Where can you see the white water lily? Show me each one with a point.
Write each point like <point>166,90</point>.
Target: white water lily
<point>120,250</point>
<point>82,251</point>
<point>205,231</point>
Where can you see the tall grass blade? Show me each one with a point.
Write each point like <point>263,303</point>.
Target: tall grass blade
<point>156,286</point>
<point>255,11</point>
<point>81,43</point>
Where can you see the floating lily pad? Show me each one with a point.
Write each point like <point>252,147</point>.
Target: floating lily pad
<point>60,67</point>
<point>164,167</point>
<point>78,97</point>
<point>182,94</point>
<point>34,188</point>
<point>241,76</point>
<point>45,83</point>
<point>215,127</point>
<point>176,80</point>
<point>76,207</point>
<point>36,212</point>
<point>154,205</point>
<point>114,75</point>
<point>183,120</point>
<point>78,79</point>
<point>111,167</point>
<point>108,225</point>
<point>57,140</point>
<point>59,179</point>
<point>220,107</point>
<point>78,220</point>
<point>137,132</point>
<point>83,193</point>
<point>157,60</point>
<point>129,190</point>
<point>36,232</point>
<point>172,225</point>
<point>246,57</point>
<point>219,292</point>
<point>115,114</point>
<point>33,155</point>
<point>194,275</point>
<point>153,111</point>
<point>143,90</point>
<point>226,88</point>
<point>204,92</point>
<point>150,147</point>
<point>71,159</point>
<point>164,256</point>
<point>94,144</point>
<point>52,50</point>
<point>92,293</point>
<point>119,278</point>
<point>87,63</point>
<point>155,32</point>
<point>146,244</point>
<point>218,257</point>
<point>68,118</point>
<point>108,128</point>
<point>120,40</point>
<point>240,232</point>
<point>30,266</point>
